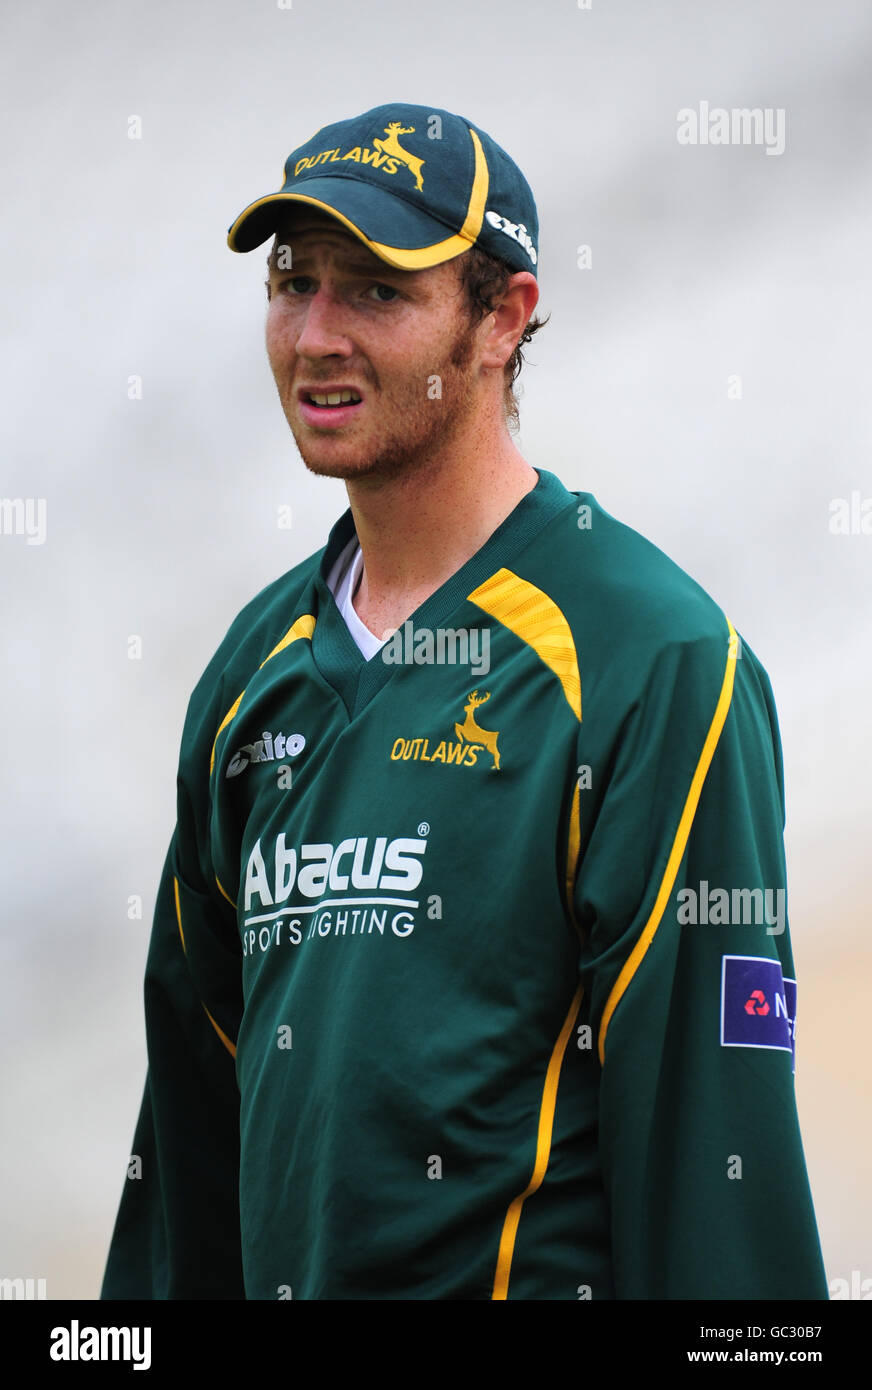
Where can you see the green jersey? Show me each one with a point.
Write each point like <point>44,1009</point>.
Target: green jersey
<point>470,974</point>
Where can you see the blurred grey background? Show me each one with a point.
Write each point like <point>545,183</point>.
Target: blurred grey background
<point>708,263</point>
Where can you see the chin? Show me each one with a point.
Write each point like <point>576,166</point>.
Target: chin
<point>338,467</point>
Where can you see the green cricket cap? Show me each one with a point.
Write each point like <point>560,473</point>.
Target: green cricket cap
<point>417,185</point>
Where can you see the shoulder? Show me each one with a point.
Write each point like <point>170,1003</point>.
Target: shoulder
<point>274,608</point>
<point>253,634</point>
<point>624,601</point>
<point>645,635</point>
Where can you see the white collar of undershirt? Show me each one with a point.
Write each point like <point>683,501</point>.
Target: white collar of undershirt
<point>342,582</point>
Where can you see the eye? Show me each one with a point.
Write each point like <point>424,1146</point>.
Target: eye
<point>392,293</point>
<point>296,281</point>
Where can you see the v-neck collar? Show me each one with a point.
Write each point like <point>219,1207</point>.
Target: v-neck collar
<point>335,652</point>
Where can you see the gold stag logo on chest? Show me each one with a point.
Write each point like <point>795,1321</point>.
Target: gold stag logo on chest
<point>470,740</point>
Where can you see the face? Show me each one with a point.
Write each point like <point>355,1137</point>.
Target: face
<point>341,319</point>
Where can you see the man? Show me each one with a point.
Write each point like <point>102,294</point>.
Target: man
<point>470,974</point>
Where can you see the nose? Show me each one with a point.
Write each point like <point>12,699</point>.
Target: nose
<point>322,329</point>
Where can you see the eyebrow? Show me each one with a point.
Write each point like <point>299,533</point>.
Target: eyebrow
<point>371,268</point>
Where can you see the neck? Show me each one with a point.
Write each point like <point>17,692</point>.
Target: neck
<point>415,532</point>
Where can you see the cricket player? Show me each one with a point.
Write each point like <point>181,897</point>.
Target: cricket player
<point>470,974</point>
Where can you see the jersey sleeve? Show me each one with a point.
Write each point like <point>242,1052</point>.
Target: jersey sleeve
<point>177,1233</point>
<point>680,894</point>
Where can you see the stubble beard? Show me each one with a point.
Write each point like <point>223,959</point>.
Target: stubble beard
<point>427,428</point>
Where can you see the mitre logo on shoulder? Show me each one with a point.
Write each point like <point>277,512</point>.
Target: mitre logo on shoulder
<point>470,740</point>
<point>386,154</point>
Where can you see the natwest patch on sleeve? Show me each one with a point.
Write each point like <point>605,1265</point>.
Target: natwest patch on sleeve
<point>758,1005</point>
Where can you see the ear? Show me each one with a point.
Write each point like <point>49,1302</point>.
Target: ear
<point>508,319</point>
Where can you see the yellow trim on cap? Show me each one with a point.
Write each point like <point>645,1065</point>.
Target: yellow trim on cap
<point>403,258</point>
<point>543,1152</point>
<point>303,627</point>
<point>679,844</point>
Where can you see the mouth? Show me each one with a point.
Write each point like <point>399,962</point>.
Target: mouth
<point>331,407</point>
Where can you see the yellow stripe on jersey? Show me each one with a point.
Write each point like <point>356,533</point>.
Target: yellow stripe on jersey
<point>572,851</point>
<point>543,1152</point>
<point>679,844</point>
<point>223,725</point>
<point>222,1035</point>
<point>179,913</point>
<point>220,1031</point>
<point>536,619</point>
<point>303,627</point>
<point>224,892</point>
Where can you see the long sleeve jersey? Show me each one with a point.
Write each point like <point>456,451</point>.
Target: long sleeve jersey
<point>470,973</point>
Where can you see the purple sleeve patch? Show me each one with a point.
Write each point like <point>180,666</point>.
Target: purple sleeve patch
<point>758,1006</point>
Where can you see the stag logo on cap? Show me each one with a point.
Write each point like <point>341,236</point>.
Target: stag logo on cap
<point>386,154</point>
